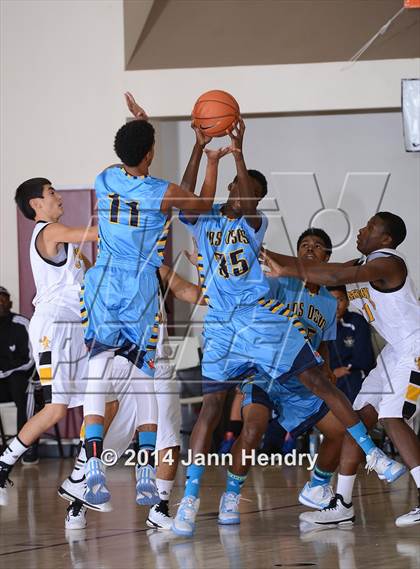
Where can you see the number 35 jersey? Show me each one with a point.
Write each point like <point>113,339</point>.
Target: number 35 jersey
<point>132,231</point>
<point>228,249</point>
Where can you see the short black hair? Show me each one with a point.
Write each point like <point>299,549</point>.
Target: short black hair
<point>261,179</point>
<point>394,226</point>
<point>341,288</point>
<point>27,191</point>
<point>316,232</point>
<point>133,141</point>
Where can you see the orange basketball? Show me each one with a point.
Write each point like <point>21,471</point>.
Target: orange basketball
<point>215,112</point>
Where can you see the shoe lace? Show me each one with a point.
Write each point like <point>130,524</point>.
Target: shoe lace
<point>332,505</point>
<point>231,501</point>
<point>4,475</point>
<point>372,460</point>
<point>327,491</point>
<point>74,508</point>
<point>188,511</point>
<point>163,508</point>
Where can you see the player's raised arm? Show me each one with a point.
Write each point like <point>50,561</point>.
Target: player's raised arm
<point>138,112</point>
<point>246,187</point>
<point>189,178</point>
<point>190,203</point>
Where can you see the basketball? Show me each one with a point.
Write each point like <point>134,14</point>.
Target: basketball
<point>215,112</point>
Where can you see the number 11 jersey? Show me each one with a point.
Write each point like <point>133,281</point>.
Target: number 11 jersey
<point>228,249</point>
<point>132,230</point>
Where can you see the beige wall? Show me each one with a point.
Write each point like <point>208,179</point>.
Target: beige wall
<point>62,79</point>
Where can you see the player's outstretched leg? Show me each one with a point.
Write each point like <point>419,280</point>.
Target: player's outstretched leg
<point>386,468</point>
<point>210,413</point>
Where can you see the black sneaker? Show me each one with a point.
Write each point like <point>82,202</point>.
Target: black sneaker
<point>30,457</point>
<point>4,481</point>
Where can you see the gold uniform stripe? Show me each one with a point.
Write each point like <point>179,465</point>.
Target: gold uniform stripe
<point>413,393</point>
<point>45,374</point>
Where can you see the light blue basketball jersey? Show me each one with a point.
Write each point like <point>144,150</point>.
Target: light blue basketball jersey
<point>132,228</point>
<point>317,312</point>
<point>228,249</point>
<point>293,402</point>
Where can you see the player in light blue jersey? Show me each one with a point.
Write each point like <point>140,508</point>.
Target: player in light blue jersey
<point>119,303</point>
<point>298,409</point>
<point>245,329</point>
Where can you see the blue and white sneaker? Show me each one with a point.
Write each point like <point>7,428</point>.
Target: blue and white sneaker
<point>317,497</point>
<point>146,490</point>
<point>229,509</point>
<point>184,521</point>
<point>96,491</point>
<point>386,468</point>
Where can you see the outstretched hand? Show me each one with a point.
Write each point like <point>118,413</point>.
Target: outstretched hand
<point>274,268</point>
<point>135,108</point>
<point>201,138</point>
<point>216,154</point>
<point>193,257</point>
<point>237,136</point>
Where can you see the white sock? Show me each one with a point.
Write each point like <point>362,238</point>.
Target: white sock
<point>164,488</point>
<point>13,452</point>
<point>345,486</point>
<point>415,473</point>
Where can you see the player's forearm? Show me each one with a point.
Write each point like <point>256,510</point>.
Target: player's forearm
<point>181,288</point>
<point>190,293</point>
<point>317,274</point>
<point>208,189</point>
<point>283,260</point>
<point>246,191</point>
<point>310,271</point>
<point>189,179</point>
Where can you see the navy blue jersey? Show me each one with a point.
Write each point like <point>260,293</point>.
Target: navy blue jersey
<point>353,345</point>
